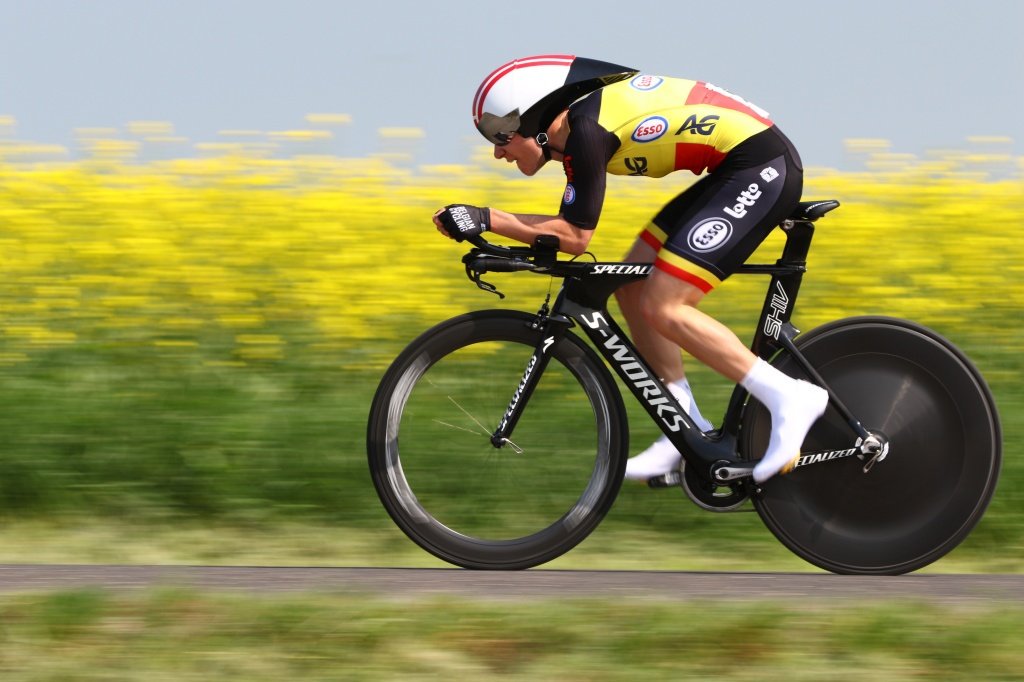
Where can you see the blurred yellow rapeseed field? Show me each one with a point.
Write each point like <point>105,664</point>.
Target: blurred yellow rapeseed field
<point>198,330</point>
<point>239,257</point>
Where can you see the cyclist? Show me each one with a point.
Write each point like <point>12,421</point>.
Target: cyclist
<point>597,118</point>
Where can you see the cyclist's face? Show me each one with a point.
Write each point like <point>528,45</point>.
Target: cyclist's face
<point>523,151</point>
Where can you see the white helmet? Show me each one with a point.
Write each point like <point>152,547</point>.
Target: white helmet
<point>525,95</point>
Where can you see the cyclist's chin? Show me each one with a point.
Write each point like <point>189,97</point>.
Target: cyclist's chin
<point>529,167</point>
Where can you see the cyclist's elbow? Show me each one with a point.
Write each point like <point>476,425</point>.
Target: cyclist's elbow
<point>574,240</point>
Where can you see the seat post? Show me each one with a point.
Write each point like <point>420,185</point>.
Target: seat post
<point>780,299</point>
<point>799,234</point>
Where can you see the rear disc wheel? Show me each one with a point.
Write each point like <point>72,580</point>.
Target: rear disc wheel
<point>913,387</point>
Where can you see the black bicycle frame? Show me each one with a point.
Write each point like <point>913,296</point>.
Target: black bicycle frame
<point>583,299</point>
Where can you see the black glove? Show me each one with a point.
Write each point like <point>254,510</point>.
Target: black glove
<point>462,221</point>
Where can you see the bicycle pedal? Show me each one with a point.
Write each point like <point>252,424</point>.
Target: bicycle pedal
<point>669,480</point>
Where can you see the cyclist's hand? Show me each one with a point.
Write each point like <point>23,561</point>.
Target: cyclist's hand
<point>460,221</point>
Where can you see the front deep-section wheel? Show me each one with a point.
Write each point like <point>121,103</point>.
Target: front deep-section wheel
<point>464,500</point>
<point>912,387</point>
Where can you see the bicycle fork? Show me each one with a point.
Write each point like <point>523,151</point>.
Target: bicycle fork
<point>552,328</point>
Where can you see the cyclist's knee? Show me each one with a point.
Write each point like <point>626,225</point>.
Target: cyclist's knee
<point>655,309</point>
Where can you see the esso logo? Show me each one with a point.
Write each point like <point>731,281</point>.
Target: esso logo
<point>708,235</point>
<point>570,195</point>
<point>650,129</point>
<point>646,82</point>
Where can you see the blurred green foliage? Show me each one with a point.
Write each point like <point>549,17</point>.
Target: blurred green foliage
<point>201,338</point>
<point>180,635</point>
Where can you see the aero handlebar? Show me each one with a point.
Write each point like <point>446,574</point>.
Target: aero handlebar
<point>487,257</point>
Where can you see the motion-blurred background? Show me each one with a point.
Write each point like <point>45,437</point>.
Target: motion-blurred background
<point>215,235</point>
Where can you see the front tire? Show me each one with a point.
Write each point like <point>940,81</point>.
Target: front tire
<point>460,498</point>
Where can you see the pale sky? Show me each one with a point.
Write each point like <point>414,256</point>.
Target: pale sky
<point>924,75</point>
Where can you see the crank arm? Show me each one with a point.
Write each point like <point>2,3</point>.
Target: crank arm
<point>733,471</point>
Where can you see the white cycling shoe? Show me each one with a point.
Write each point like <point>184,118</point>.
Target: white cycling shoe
<point>797,405</point>
<point>659,459</point>
<point>662,457</point>
<point>805,403</point>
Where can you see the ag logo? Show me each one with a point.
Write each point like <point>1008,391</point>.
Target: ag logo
<point>637,165</point>
<point>702,127</point>
<point>708,235</point>
<point>650,129</point>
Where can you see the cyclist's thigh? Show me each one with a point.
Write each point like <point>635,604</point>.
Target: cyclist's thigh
<point>641,252</point>
<point>709,230</point>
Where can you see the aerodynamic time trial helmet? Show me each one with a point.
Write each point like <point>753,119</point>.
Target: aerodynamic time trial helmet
<point>525,95</point>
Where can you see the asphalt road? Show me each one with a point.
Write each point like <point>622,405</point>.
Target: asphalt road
<point>405,583</point>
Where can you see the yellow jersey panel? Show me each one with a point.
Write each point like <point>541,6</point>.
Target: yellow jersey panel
<point>669,124</point>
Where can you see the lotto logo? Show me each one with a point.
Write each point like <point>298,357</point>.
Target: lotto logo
<point>747,197</point>
<point>769,174</point>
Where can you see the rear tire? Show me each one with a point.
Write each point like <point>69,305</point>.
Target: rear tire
<point>460,498</point>
<point>910,384</point>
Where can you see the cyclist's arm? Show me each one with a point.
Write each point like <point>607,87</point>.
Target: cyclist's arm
<point>585,160</point>
<point>525,228</point>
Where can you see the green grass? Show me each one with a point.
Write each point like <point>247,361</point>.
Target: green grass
<point>129,456</point>
<point>676,537</point>
<point>183,635</point>
<point>106,437</point>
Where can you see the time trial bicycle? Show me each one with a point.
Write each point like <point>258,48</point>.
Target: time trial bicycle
<point>498,439</point>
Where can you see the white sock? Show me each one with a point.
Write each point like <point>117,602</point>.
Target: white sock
<point>680,388</point>
<point>662,457</point>
<point>794,406</point>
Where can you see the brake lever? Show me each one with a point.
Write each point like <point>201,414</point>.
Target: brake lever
<point>474,277</point>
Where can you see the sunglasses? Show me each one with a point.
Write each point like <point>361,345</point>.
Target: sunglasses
<point>499,129</point>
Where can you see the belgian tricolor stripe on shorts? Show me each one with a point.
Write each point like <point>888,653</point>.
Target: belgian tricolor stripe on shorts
<point>677,266</point>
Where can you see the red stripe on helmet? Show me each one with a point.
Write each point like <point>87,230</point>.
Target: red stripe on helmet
<point>498,73</point>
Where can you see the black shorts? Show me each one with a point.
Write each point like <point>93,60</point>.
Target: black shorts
<point>704,234</point>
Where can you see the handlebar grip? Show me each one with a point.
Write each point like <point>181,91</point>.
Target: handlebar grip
<point>489,248</point>
<point>478,241</point>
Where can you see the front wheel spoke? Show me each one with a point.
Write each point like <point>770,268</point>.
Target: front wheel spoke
<point>458,428</point>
